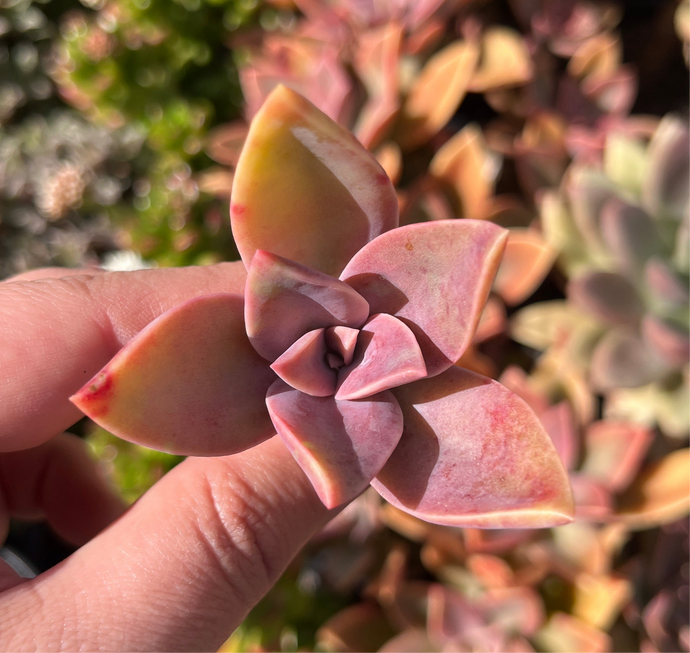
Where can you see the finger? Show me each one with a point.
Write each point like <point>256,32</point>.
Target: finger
<point>57,333</point>
<point>60,482</point>
<point>52,273</point>
<point>180,570</point>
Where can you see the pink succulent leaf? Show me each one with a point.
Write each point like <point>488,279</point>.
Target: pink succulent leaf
<point>450,616</point>
<point>623,360</point>
<point>615,451</point>
<point>190,383</point>
<point>306,189</point>
<point>342,341</point>
<point>559,423</point>
<point>435,277</point>
<point>340,445</point>
<point>607,296</point>
<point>630,234</point>
<point>665,189</point>
<point>376,60</point>
<point>387,355</point>
<point>665,283</point>
<point>304,367</point>
<point>593,502</point>
<point>473,454</point>
<point>670,342</point>
<point>284,300</point>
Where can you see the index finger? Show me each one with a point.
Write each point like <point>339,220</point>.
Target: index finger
<point>58,332</point>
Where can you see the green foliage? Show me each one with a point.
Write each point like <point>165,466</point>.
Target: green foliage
<point>133,469</point>
<point>162,67</point>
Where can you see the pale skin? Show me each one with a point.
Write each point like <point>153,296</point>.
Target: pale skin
<point>181,568</point>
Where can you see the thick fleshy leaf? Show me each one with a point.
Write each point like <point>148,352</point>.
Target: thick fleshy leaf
<point>189,383</point>
<point>387,355</point>
<point>492,321</point>
<point>559,422</point>
<point>588,190</point>
<point>622,360</point>
<point>665,191</point>
<point>598,56</point>
<point>660,494</point>
<point>598,600</point>
<point>330,200</point>
<point>224,143</point>
<point>376,60</point>
<point>473,454</point>
<point>437,93</point>
<point>465,165</point>
<point>630,235</point>
<point>285,300</point>
<point>451,615</point>
<point>564,633</point>
<point>607,296</point>
<point>505,61</point>
<point>526,262</point>
<point>593,502</point>
<point>340,445</point>
<point>665,284</point>
<point>303,366</point>
<point>435,277</point>
<point>342,342</point>
<point>670,342</point>
<point>515,609</point>
<point>615,451</point>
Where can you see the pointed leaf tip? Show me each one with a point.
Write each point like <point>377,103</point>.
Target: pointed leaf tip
<point>473,454</point>
<point>189,383</point>
<point>333,189</point>
<point>435,277</point>
<point>340,445</point>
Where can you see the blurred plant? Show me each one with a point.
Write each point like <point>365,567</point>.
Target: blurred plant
<point>162,68</point>
<point>132,468</point>
<point>621,230</point>
<point>59,175</point>
<point>398,75</point>
<point>27,28</point>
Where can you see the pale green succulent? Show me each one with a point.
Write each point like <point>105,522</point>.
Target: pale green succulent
<point>621,230</point>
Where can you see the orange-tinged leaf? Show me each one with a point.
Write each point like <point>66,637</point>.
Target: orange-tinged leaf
<point>190,383</point>
<point>464,163</point>
<point>598,600</point>
<point>505,61</point>
<point>306,189</point>
<point>660,494</point>
<point>526,262</point>
<point>599,56</point>
<point>437,93</point>
<point>567,634</point>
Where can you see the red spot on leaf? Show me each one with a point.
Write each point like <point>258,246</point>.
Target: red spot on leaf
<point>96,393</point>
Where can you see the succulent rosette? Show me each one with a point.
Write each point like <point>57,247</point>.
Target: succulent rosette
<point>344,343</point>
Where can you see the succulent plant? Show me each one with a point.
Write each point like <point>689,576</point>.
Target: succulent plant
<point>355,373</point>
<point>621,232</point>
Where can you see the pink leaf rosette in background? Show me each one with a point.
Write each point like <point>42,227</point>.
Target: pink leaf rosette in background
<point>345,343</point>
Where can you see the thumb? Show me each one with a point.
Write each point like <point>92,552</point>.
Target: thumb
<point>181,569</point>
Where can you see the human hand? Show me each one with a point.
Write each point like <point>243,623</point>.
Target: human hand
<point>182,567</point>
